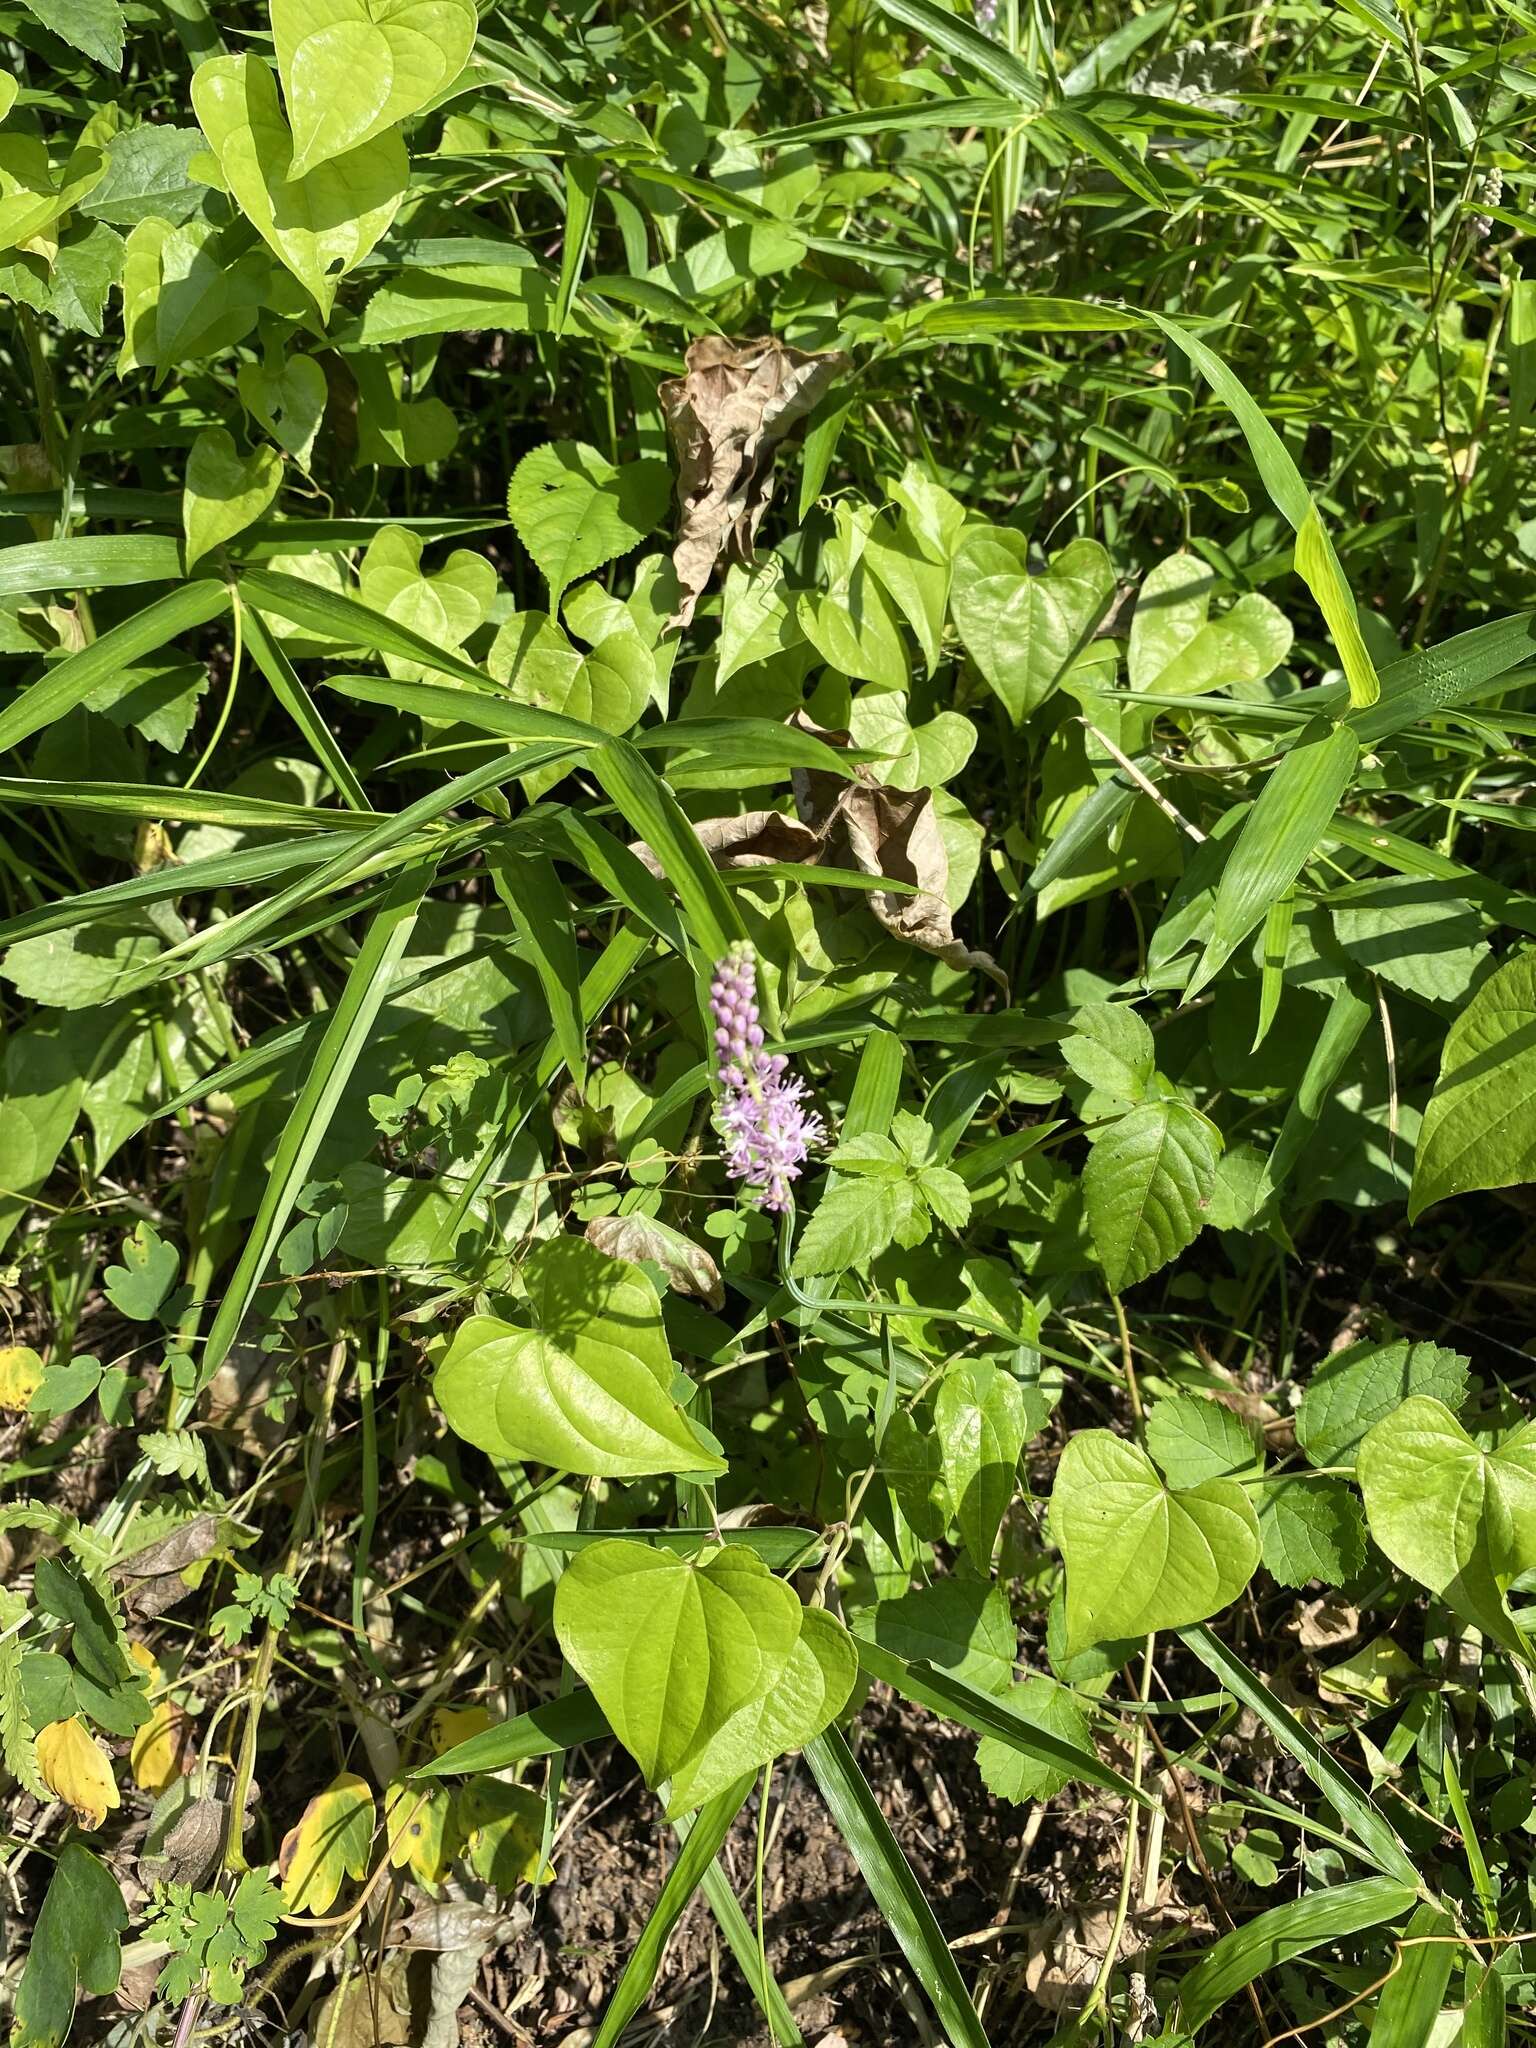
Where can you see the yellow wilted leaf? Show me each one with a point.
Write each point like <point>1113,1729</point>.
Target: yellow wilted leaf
<point>76,1769</point>
<point>330,1843</point>
<point>417,1820</point>
<point>453,1725</point>
<point>160,1747</point>
<point>504,1826</point>
<point>21,1374</point>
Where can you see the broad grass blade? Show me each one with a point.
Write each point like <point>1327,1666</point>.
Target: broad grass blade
<point>895,1888</point>
<point>1378,1839</point>
<point>1286,1931</point>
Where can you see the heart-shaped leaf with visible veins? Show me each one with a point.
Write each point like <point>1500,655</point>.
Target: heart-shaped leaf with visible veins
<point>352,68</point>
<point>517,1394</point>
<point>1138,1555</point>
<point>1459,1519</point>
<point>224,492</point>
<point>671,1647</point>
<point>321,225</point>
<point>811,1690</point>
<point>285,396</point>
<point>573,510</point>
<point>443,606</point>
<point>1022,630</point>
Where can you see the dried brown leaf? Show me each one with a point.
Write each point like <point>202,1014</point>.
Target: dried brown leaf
<point>727,415</point>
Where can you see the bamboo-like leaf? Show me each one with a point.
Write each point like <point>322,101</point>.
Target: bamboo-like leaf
<point>1378,1839</point>
<point>896,1890</point>
<point>984,1713</point>
<point>1278,837</point>
<point>698,1852</point>
<point>530,888</point>
<point>1317,563</point>
<point>367,989</point>
<point>72,680</point>
<point>544,1730</point>
<point>267,652</point>
<point>987,58</point>
<point>1410,2000</point>
<point>1283,1932</point>
<point>99,561</point>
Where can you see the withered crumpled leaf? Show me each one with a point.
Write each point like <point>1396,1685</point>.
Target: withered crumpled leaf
<point>152,1577</point>
<point>727,414</point>
<point>861,823</point>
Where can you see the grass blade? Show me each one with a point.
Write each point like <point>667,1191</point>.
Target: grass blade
<point>530,888</point>
<point>367,990</point>
<point>895,1887</point>
<point>1410,2001</point>
<point>555,1725</point>
<point>1286,1931</point>
<point>1316,561</point>
<point>701,1846</point>
<point>267,652</point>
<point>942,1693</point>
<point>1378,1839</point>
<point>71,681</point>
<point>969,48</point>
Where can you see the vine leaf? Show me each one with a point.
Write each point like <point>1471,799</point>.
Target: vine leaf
<point>1479,1130</point>
<point>589,1388</point>
<point>671,1647</point>
<point>810,1691</point>
<point>1458,1518</point>
<point>354,67</point>
<point>1138,1555</point>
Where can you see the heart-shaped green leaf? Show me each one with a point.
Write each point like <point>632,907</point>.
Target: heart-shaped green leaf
<point>1145,1189</point>
<point>444,607</point>
<point>321,225</point>
<point>1459,1519</point>
<point>673,1648</point>
<point>574,510</point>
<point>1479,1130</point>
<point>224,493</point>
<point>287,398</point>
<point>911,756</point>
<point>352,68</point>
<point>809,1693</point>
<point>1022,630</point>
<point>982,1426</point>
<point>1177,648</point>
<point>140,1284</point>
<point>515,1393</point>
<point>586,1390</point>
<point>1139,1556</point>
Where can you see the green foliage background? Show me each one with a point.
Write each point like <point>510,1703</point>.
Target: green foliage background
<point>1099,701</point>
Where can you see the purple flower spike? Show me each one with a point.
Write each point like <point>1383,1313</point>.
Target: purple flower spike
<point>761,1113</point>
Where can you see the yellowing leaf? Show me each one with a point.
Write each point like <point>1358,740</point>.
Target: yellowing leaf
<point>417,1820</point>
<point>159,1747</point>
<point>453,1725</point>
<point>144,1657</point>
<point>330,1843</point>
<point>21,1374</point>
<point>76,1769</point>
<point>504,1828</point>
<point>322,225</point>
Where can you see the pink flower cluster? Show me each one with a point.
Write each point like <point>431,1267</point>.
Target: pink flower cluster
<point>761,1113</point>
